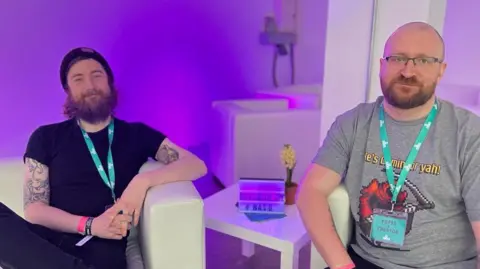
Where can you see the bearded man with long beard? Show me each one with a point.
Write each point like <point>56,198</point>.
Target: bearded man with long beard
<point>410,163</point>
<point>82,177</point>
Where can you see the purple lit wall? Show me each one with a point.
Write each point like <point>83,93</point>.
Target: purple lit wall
<point>461,82</point>
<point>462,40</point>
<point>171,58</point>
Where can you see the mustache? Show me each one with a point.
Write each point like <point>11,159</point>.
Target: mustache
<point>92,92</point>
<point>411,81</point>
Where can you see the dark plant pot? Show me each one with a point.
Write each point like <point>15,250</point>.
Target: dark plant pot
<point>290,191</point>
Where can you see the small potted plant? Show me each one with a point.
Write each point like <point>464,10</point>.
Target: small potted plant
<point>287,156</point>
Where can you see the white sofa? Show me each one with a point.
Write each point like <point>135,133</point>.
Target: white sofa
<point>171,234</point>
<point>342,218</point>
<point>248,135</point>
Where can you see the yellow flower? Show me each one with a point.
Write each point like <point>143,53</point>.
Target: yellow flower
<point>287,156</point>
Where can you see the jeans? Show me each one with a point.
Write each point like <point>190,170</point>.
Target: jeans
<point>28,246</point>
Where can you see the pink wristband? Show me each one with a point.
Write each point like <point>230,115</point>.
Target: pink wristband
<point>347,266</point>
<point>81,225</point>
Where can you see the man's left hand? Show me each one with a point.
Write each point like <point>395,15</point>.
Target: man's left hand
<point>134,195</point>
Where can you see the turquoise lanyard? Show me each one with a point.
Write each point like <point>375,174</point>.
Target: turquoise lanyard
<point>422,135</point>
<point>110,179</point>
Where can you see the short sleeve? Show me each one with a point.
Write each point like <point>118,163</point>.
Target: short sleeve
<point>151,139</point>
<point>335,151</point>
<point>37,147</point>
<point>470,170</point>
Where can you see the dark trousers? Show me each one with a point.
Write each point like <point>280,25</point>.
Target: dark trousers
<point>359,262</point>
<point>27,246</point>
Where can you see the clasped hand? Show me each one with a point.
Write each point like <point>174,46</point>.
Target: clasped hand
<point>134,196</point>
<point>113,225</point>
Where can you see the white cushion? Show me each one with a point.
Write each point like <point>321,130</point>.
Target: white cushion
<point>246,140</point>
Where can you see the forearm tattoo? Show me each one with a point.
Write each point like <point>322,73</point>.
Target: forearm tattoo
<point>167,154</point>
<point>37,186</point>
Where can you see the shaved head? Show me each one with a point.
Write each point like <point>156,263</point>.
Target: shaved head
<point>422,29</point>
<point>412,65</point>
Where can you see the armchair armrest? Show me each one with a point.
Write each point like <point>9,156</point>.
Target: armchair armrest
<point>172,233</point>
<point>339,204</point>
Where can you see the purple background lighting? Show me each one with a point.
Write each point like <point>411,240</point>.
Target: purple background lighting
<point>171,59</point>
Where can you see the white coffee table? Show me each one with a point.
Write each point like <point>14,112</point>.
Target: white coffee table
<point>286,235</point>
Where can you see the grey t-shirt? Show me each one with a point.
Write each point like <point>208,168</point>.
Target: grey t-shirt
<point>441,194</point>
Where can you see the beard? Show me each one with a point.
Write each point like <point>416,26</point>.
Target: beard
<point>94,106</point>
<point>393,94</point>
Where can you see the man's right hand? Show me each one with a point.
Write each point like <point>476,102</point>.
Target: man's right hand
<point>111,224</point>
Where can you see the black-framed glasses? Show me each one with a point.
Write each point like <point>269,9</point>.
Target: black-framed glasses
<point>417,61</point>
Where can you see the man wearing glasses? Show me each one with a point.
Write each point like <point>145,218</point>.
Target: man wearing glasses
<point>410,164</point>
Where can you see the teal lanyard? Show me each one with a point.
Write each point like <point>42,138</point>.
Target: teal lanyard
<point>110,179</point>
<point>422,135</point>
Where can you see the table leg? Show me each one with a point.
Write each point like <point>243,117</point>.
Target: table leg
<point>289,260</point>
<point>248,248</point>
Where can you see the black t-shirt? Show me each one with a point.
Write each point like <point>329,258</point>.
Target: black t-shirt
<point>75,184</point>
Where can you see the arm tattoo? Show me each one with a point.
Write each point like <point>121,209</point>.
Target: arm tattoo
<point>37,186</point>
<point>167,154</point>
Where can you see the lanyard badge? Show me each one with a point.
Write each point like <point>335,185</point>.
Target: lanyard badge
<point>388,226</point>
<point>110,179</point>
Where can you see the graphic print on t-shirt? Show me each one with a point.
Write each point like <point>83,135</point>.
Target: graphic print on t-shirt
<point>377,194</point>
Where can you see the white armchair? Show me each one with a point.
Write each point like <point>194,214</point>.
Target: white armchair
<point>171,234</point>
<point>340,207</point>
<point>248,136</point>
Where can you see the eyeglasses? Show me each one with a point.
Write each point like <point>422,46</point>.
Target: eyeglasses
<point>418,61</point>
